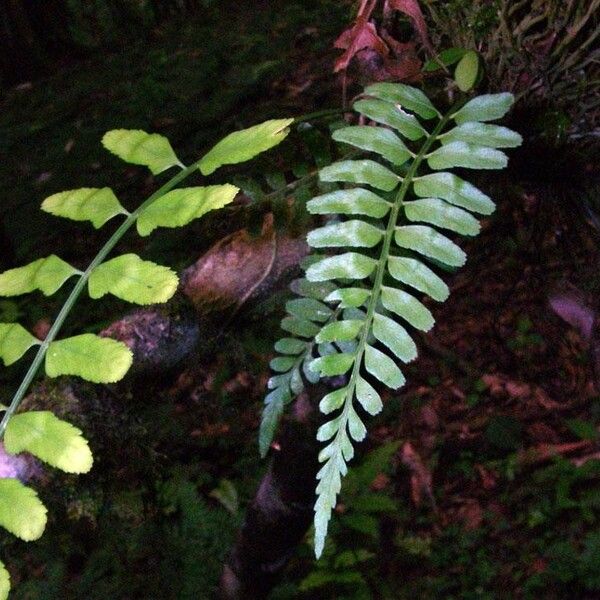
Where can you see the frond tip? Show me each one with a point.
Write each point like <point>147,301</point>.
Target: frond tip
<point>387,246</point>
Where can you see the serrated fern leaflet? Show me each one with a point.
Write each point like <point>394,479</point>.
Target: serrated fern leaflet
<point>389,244</point>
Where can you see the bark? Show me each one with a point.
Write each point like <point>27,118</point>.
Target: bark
<point>279,515</point>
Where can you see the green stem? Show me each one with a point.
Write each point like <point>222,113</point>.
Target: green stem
<point>381,266</point>
<point>328,112</point>
<point>78,288</point>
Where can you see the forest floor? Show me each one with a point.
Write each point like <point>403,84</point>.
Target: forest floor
<point>489,455</point>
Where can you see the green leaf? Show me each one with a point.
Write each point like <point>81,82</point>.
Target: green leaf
<point>414,273</point>
<point>391,115</point>
<point>353,233</point>
<point>470,156</point>
<point>45,274</point>
<point>290,346</point>
<point>4,582</point>
<point>276,381</point>
<point>56,442</point>
<point>374,139</point>
<point>329,429</point>
<point>446,57</point>
<point>455,190</point>
<point>243,145</point>
<point>97,205</point>
<point>349,297</point>
<point>180,207</point>
<point>374,503</point>
<point>350,265</point>
<point>299,327</point>
<point>340,331</point>
<point>140,148</point>
<point>21,511</point>
<point>327,490</point>
<point>466,71</point>
<point>309,308</point>
<point>312,289</point>
<point>431,243</point>
<point>282,364</point>
<point>483,134</point>
<point>407,307</point>
<point>15,340</point>
<point>333,400</point>
<point>349,202</point>
<point>311,376</point>
<point>395,337</point>
<point>96,359</point>
<point>132,279</point>
<point>332,364</point>
<point>367,396</point>
<point>361,171</point>
<point>274,406</point>
<point>406,96</point>
<point>383,367</point>
<point>356,428</point>
<point>488,107</point>
<point>437,212</point>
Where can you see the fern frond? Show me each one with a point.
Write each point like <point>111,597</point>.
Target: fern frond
<point>387,234</point>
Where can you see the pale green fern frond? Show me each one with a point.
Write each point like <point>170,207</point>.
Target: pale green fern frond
<point>390,235</point>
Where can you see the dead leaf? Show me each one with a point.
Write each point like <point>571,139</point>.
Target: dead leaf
<point>413,11</point>
<point>362,35</point>
<point>420,478</point>
<point>239,267</point>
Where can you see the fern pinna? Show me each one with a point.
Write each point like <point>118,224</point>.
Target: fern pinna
<point>385,228</point>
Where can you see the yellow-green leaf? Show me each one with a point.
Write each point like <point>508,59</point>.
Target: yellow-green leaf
<point>332,364</point>
<point>15,340</point>
<point>21,511</point>
<point>44,435</point>
<point>340,331</point>
<point>96,359</point>
<point>243,145</point>
<point>45,274</point>
<point>130,278</point>
<point>466,71</point>
<point>141,148</point>
<point>97,205</point>
<point>4,582</point>
<point>179,207</point>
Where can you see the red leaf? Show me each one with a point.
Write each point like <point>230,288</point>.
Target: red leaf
<point>412,10</point>
<point>360,36</point>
